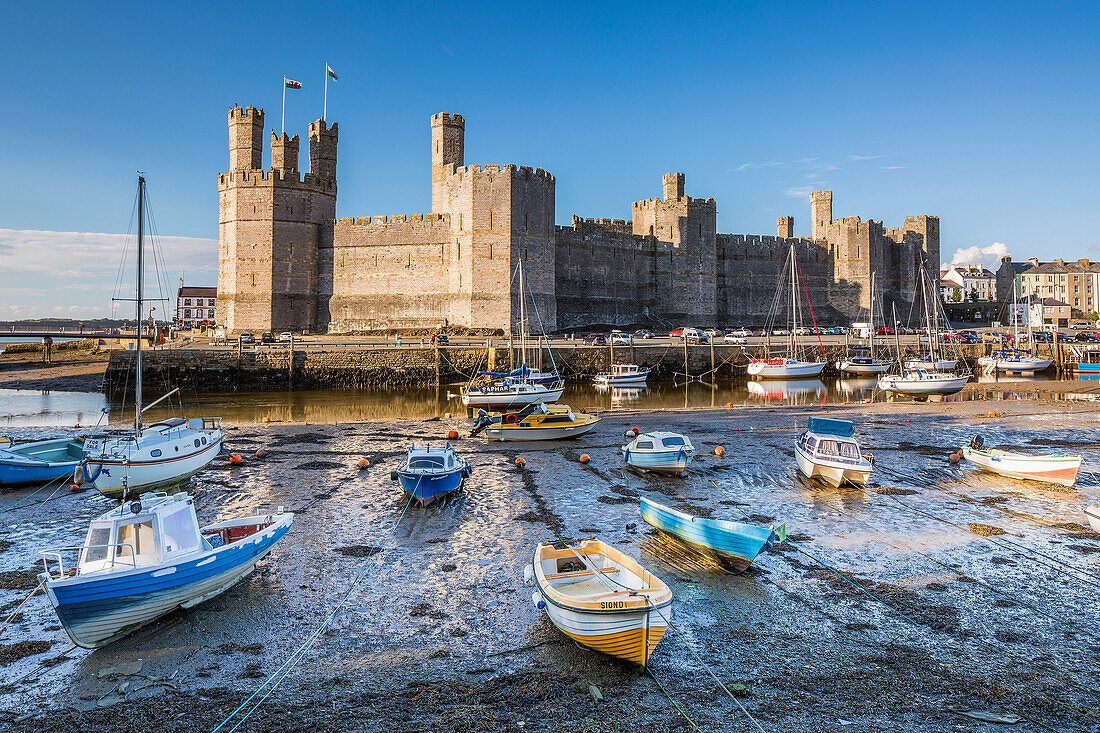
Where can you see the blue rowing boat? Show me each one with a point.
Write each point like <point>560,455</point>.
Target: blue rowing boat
<point>430,473</point>
<point>39,462</point>
<point>146,558</point>
<point>733,544</point>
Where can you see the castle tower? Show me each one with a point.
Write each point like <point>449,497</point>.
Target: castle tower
<point>784,227</point>
<point>246,138</point>
<point>322,150</point>
<point>821,213</point>
<point>284,152</point>
<point>270,226</point>
<point>686,280</point>
<point>448,142</point>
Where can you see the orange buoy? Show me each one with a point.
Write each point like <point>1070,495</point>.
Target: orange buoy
<point>729,404</point>
<point>363,464</point>
<point>953,458</point>
<point>991,413</point>
<point>236,459</point>
<point>452,434</point>
<point>583,458</point>
<point>637,431</point>
<point>908,420</point>
<point>267,419</point>
<point>75,488</point>
<point>738,429</point>
<point>719,451</point>
<point>261,453</point>
<point>520,463</point>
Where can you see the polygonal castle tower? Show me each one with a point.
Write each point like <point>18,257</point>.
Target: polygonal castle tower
<point>270,225</point>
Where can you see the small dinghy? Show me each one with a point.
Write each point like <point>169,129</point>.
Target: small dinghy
<point>733,544</point>
<point>1093,513</point>
<point>828,451</point>
<point>430,473</point>
<point>535,422</point>
<point>1057,468</point>
<point>601,598</point>
<point>146,558</point>
<point>38,462</point>
<point>659,453</point>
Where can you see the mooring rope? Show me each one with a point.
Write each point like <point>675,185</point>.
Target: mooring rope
<point>672,700</point>
<point>284,670</point>
<point>19,608</point>
<point>45,486</point>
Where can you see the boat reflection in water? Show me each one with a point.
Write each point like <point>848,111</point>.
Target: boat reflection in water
<point>622,395</point>
<point>798,390</point>
<point>859,388</point>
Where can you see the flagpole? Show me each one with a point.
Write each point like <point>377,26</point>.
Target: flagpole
<point>282,124</point>
<point>325,113</point>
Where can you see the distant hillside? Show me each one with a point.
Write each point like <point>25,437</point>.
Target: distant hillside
<point>46,324</point>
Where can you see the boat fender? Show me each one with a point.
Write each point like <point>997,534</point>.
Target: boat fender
<point>511,418</point>
<point>528,575</point>
<point>637,431</point>
<point>135,507</point>
<point>869,457</point>
<point>978,442</point>
<point>393,475</point>
<point>466,472</point>
<point>75,488</point>
<point>536,598</point>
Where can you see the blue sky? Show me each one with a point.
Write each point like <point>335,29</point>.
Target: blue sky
<point>984,114</point>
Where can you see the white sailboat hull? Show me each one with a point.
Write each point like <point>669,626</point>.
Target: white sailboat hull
<point>927,384</point>
<point>126,466</point>
<point>1026,365</point>
<point>876,366</point>
<point>1060,469</point>
<point>525,394</point>
<point>785,368</point>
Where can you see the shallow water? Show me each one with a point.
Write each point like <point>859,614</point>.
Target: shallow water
<point>787,629</point>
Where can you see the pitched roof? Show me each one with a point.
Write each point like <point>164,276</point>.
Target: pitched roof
<point>191,291</point>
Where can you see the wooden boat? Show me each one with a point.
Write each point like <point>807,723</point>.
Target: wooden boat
<point>535,422</point>
<point>1093,514</point>
<point>38,462</point>
<point>733,544</point>
<point>624,375</point>
<point>430,473</point>
<point>146,558</point>
<point>1059,468</point>
<point>659,452</point>
<point>828,451</point>
<point>601,598</point>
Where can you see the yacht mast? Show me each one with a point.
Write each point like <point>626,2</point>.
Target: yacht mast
<point>522,325</point>
<point>140,293</point>
<point>872,320</point>
<point>794,311</point>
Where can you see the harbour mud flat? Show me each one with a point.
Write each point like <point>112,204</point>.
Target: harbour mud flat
<point>931,599</point>
<point>74,370</point>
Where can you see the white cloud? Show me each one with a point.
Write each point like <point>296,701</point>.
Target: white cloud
<point>869,157</point>
<point>769,164</point>
<point>989,256</point>
<point>892,167</point>
<point>46,272</point>
<point>799,192</point>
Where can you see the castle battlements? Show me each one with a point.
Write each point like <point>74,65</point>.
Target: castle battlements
<point>395,220</point>
<point>524,172</point>
<point>273,176</point>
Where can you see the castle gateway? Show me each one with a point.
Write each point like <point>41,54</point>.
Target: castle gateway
<point>286,262</point>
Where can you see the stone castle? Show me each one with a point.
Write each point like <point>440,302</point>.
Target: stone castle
<point>287,263</point>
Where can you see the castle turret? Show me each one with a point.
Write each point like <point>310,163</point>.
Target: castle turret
<point>322,149</point>
<point>784,227</point>
<point>821,213</point>
<point>284,152</point>
<point>673,186</point>
<point>246,138</point>
<point>448,140</point>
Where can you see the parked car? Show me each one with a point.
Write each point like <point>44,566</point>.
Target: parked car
<point>618,338</point>
<point>1091,337</point>
<point>247,338</point>
<point>781,332</point>
<point>884,331</point>
<point>732,338</point>
<point>694,336</point>
<point>285,336</point>
<point>440,339</point>
<point>677,331</point>
<point>642,334</point>
<point>595,339</point>
<point>742,332</point>
<point>1081,325</point>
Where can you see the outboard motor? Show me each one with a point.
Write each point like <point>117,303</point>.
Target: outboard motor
<point>483,421</point>
<point>977,443</point>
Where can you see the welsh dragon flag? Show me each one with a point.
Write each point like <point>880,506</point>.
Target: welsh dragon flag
<point>331,72</point>
<point>291,84</point>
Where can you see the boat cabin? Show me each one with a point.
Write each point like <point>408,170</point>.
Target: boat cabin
<point>154,529</point>
<point>626,370</point>
<point>661,441</point>
<point>431,460</point>
<point>830,438</point>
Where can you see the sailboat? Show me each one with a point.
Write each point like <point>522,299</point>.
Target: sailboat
<point>1016,360</point>
<point>861,360</point>
<point>157,456</point>
<point>789,365</point>
<point>934,359</point>
<point>518,390</point>
<point>917,381</point>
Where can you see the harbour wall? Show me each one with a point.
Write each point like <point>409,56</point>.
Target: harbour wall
<point>414,366</point>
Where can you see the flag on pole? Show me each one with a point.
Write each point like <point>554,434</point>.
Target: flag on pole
<point>331,72</point>
<point>291,84</point>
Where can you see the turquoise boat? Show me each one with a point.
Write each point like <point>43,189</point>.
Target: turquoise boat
<point>733,544</point>
<point>39,462</point>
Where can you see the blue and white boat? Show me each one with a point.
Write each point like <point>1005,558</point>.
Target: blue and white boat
<point>827,450</point>
<point>431,473</point>
<point>525,374</point>
<point>659,452</point>
<point>146,558</point>
<point>38,462</point>
<point>733,544</point>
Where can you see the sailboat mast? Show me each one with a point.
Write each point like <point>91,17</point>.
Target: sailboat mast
<point>794,311</point>
<point>522,322</point>
<point>140,294</point>
<point>872,319</point>
<point>897,342</point>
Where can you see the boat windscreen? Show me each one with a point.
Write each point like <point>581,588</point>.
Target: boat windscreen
<point>426,462</point>
<point>672,442</point>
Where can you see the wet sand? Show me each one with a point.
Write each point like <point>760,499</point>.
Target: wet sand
<point>440,634</point>
<point>72,370</point>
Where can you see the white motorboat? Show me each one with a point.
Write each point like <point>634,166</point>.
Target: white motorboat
<point>1093,514</point>
<point>828,451</point>
<point>146,558</point>
<point>784,368</point>
<point>791,362</point>
<point>918,382</point>
<point>1059,468</point>
<point>624,375</point>
<point>536,422</point>
<point>659,452</point>
<point>601,597</point>
<point>161,455</point>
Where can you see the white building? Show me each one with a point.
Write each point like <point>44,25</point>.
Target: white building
<point>196,306</point>
<point>974,282</point>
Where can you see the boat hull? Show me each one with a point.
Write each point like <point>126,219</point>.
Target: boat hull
<point>98,609</point>
<point>946,384</point>
<point>427,489</point>
<point>873,367</point>
<point>1093,514</point>
<point>1061,470</point>
<point>513,433</point>
<point>632,635</point>
<point>834,474</point>
<point>36,463</point>
<point>671,463</point>
<point>788,369</point>
<point>506,399</point>
<point>733,544</point>
<point>111,477</point>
